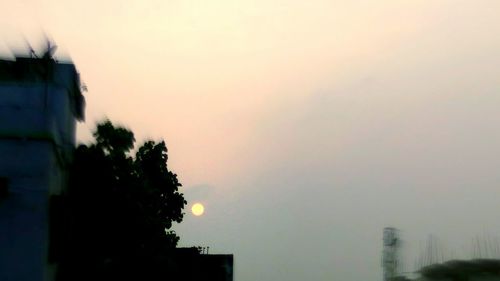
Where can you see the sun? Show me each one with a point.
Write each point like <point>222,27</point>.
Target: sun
<point>197,209</point>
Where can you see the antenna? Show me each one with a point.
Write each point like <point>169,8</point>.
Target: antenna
<point>50,50</point>
<point>31,51</point>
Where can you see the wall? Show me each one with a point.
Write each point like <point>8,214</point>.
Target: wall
<point>37,138</point>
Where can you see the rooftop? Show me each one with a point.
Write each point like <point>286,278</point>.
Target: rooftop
<point>460,268</point>
<point>29,70</point>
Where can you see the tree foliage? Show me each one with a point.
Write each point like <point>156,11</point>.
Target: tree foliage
<point>122,206</point>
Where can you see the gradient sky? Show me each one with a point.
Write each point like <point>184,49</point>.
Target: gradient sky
<point>305,127</point>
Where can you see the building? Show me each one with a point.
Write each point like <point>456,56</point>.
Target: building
<point>462,270</point>
<point>390,253</point>
<point>188,264</point>
<point>40,103</point>
<point>436,268</point>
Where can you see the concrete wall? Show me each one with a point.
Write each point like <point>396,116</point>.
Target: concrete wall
<point>37,111</point>
<point>37,138</point>
<point>23,214</point>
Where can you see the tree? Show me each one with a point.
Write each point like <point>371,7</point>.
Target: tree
<point>121,207</point>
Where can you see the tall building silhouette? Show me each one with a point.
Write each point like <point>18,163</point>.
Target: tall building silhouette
<point>390,253</point>
<point>40,103</point>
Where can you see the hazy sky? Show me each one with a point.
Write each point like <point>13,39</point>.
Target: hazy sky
<point>305,127</point>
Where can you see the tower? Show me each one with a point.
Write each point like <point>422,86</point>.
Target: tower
<point>390,253</point>
<point>40,103</point>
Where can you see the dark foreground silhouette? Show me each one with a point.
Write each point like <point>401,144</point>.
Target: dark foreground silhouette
<point>113,223</point>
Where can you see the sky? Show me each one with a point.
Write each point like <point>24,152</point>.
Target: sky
<point>304,127</point>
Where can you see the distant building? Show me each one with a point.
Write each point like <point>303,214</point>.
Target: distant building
<point>187,264</point>
<point>40,103</point>
<point>438,269</point>
<point>457,270</point>
<point>462,270</point>
<point>390,253</point>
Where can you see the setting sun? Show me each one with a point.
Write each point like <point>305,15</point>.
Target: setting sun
<point>197,209</point>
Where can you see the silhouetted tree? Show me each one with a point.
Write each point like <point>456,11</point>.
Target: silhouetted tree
<point>121,208</point>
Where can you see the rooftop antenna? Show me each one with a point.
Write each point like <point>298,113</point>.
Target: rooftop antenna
<point>31,51</point>
<point>49,50</point>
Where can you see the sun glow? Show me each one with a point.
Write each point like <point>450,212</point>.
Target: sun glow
<point>198,209</point>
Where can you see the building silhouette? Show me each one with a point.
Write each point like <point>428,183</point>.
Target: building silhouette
<point>188,264</point>
<point>40,103</point>
<point>433,266</point>
<point>461,270</point>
